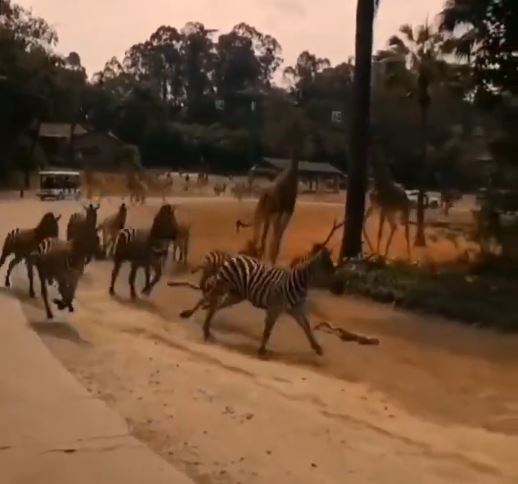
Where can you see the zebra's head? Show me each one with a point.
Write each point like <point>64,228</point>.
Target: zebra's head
<point>321,267</point>
<point>165,225</point>
<point>48,226</point>
<point>91,214</point>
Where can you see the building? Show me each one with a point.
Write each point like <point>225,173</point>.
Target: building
<point>314,174</point>
<point>54,139</point>
<point>97,150</point>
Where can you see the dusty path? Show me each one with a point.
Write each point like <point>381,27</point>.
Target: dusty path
<point>436,402</point>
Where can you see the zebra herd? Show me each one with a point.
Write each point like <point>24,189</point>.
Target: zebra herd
<point>226,279</point>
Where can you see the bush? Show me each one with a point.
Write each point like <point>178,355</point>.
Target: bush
<point>487,299</point>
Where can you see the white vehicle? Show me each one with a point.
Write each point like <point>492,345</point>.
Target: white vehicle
<point>430,200</point>
<point>59,184</point>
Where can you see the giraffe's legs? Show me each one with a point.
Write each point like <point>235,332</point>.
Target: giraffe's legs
<point>368,213</point>
<point>279,227</point>
<point>393,227</point>
<point>380,229</point>
<point>266,227</point>
<point>407,233</point>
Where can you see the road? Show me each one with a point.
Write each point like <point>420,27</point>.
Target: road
<point>435,402</point>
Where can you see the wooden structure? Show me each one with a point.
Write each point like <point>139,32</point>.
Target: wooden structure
<point>315,174</point>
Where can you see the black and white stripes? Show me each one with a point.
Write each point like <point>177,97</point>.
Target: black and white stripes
<point>274,289</point>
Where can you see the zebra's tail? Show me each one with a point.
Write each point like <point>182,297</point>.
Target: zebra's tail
<point>184,284</point>
<point>7,248</point>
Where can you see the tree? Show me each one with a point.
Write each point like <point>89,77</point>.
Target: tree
<point>413,64</point>
<point>486,30</point>
<point>359,134</point>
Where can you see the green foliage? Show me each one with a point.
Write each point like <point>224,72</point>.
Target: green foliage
<point>453,292</point>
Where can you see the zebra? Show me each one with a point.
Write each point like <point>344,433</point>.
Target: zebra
<point>21,242</point>
<point>85,225</point>
<point>111,226</point>
<point>61,261</point>
<point>274,289</point>
<point>144,248</point>
<point>316,246</point>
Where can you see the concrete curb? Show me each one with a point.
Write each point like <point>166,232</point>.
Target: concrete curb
<point>52,431</point>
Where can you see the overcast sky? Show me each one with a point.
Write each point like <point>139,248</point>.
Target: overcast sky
<point>100,29</point>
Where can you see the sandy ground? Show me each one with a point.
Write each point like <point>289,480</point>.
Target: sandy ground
<point>436,402</point>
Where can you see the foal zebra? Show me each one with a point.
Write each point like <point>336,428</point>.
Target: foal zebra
<point>21,242</point>
<point>273,289</point>
<point>144,248</point>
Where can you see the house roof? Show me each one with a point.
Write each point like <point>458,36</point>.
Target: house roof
<point>304,166</point>
<point>102,133</point>
<point>59,130</point>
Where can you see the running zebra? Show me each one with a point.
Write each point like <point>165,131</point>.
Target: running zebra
<point>85,225</point>
<point>63,262</point>
<point>273,289</point>
<point>22,242</point>
<point>111,226</point>
<point>144,248</point>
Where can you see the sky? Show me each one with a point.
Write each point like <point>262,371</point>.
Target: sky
<point>101,29</point>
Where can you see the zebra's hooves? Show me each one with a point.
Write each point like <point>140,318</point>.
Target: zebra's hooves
<point>186,314</point>
<point>112,292</point>
<point>318,350</point>
<point>261,352</point>
<point>7,283</point>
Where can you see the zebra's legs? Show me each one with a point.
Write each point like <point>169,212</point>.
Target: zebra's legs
<point>44,295</point>
<point>157,267</point>
<point>30,274</point>
<point>131,280</point>
<point>272,314</point>
<point>299,315</point>
<point>218,302</point>
<point>115,272</point>
<point>12,264</point>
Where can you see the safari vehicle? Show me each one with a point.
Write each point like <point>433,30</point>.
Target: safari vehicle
<point>59,184</point>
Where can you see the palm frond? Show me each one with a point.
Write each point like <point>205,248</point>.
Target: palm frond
<point>407,31</point>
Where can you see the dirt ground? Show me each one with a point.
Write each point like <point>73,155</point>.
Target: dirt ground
<point>436,402</point>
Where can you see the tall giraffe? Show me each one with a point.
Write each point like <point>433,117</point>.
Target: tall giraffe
<point>390,199</point>
<point>275,207</point>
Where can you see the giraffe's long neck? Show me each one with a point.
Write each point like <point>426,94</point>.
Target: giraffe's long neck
<point>382,175</point>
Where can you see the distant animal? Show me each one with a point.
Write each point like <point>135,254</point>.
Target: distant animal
<point>220,188</point>
<point>144,248</point>
<point>273,289</point>
<point>111,226</point>
<point>86,226</point>
<point>22,242</point>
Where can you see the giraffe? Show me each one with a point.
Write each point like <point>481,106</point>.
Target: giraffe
<point>390,199</point>
<point>136,187</point>
<point>94,182</point>
<point>275,207</point>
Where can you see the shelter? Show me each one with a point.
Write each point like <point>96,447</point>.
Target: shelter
<point>314,174</point>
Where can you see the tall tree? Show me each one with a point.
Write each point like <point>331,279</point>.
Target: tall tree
<point>414,63</point>
<point>360,130</point>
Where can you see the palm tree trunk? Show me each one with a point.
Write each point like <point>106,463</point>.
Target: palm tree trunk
<point>359,133</point>
<point>420,240</point>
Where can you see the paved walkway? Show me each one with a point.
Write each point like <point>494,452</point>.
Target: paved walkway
<point>52,431</point>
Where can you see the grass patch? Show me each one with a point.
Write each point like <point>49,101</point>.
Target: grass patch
<point>467,293</point>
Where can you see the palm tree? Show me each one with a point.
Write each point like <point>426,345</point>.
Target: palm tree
<point>359,133</point>
<point>414,64</point>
